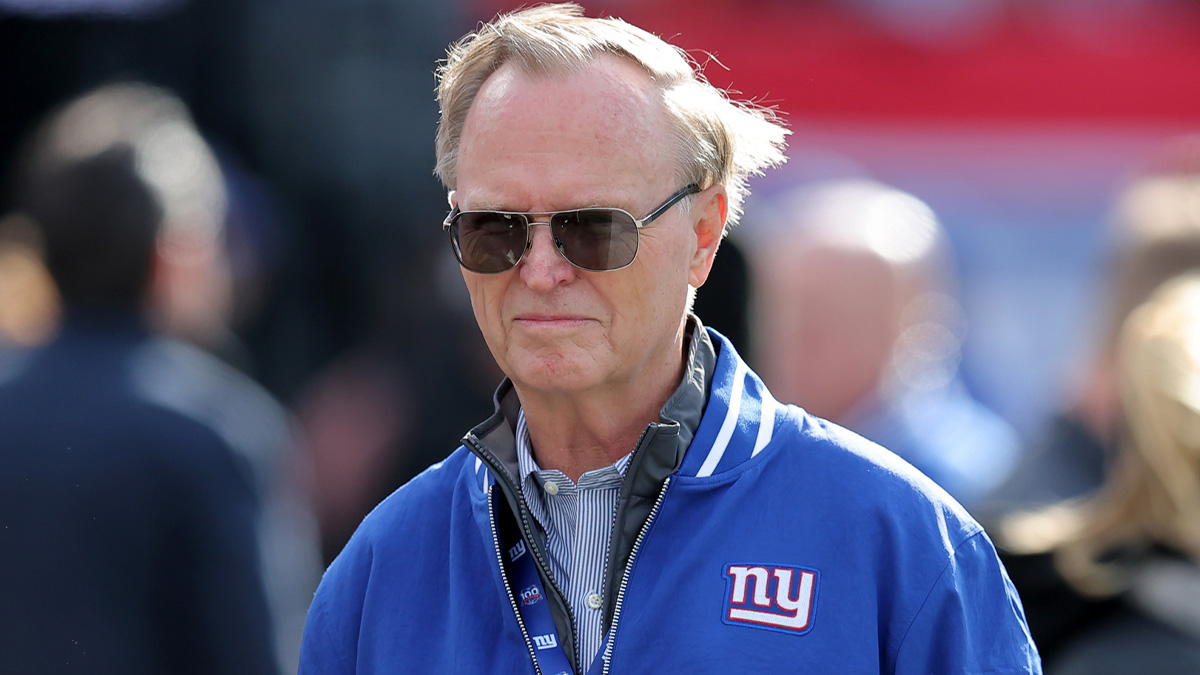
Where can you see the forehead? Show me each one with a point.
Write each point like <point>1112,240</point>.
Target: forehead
<point>603,125</point>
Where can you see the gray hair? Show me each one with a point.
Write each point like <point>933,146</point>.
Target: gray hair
<point>109,176</point>
<point>169,154</point>
<point>717,140</point>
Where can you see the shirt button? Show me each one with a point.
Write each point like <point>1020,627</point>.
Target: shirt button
<point>595,601</point>
<point>551,487</point>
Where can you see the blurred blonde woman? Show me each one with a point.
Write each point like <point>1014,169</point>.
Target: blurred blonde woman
<point>1111,581</point>
<point>1154,237</point>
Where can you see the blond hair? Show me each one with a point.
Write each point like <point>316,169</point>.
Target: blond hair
<point>1157,224</point>
<point>1152,495</point>
<point>717,140</point>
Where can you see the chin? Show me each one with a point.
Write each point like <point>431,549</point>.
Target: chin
<point>563,375</point>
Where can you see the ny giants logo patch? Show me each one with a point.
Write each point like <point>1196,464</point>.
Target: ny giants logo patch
<point>771,597</point>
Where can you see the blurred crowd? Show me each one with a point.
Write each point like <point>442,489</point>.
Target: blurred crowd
<point>230,324</point>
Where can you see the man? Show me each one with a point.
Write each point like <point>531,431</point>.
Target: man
<point>638,502</point>
<point>859,326</point>
<point>150,513</point>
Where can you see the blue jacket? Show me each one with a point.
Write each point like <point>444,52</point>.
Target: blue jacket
<point>777,542</point>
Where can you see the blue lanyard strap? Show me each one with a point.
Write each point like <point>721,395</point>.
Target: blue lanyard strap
<point>533,604</point>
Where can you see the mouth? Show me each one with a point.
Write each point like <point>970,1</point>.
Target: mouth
<point>550,321</point>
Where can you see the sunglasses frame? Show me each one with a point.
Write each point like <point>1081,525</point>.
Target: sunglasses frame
<point>527,218</point>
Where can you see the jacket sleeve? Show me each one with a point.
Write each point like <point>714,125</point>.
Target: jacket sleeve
<point>331,632</point>
<point>214,605</point>
<point>971,621</point>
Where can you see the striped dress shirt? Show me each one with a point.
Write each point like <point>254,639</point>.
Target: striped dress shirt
<point>577,519</point>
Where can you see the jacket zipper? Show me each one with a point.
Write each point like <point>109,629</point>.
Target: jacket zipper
<point>613,535</point>
<point>637,545</point>
<point>527,531</point>
<point>512,600</point>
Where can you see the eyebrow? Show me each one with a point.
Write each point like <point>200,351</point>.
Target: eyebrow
<point>491,205</point>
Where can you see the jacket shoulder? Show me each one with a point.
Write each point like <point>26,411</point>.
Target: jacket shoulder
<point>410,530</point>
<point>423,505</point>
<point>878,476</point>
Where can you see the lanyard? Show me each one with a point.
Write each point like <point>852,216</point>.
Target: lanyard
<point>533,604</point>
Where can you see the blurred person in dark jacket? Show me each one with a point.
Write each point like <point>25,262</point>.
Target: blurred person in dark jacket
<point>152,510</point>
<point>1111,580</point>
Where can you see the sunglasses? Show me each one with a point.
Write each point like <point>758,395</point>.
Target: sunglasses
<point>595,239</point>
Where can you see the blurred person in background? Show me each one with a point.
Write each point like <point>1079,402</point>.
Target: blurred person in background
<point>1111,580</point>
<point>153,506</point>
<point>858,323</point>
<point>1156,236</point>
<point>638,501</point>
<point>28,301</point>
<point>357,417</point>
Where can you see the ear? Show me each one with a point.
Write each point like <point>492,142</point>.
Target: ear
<point>452,198</point>
<point>710,209</point>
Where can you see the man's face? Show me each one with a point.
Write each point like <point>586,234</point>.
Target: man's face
<point>565,141</point>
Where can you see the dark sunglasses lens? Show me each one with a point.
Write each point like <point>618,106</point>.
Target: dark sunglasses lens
<point>488,242</point>
<point>597,239</point>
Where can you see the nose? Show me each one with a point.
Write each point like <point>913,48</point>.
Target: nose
<point>543,267</point>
